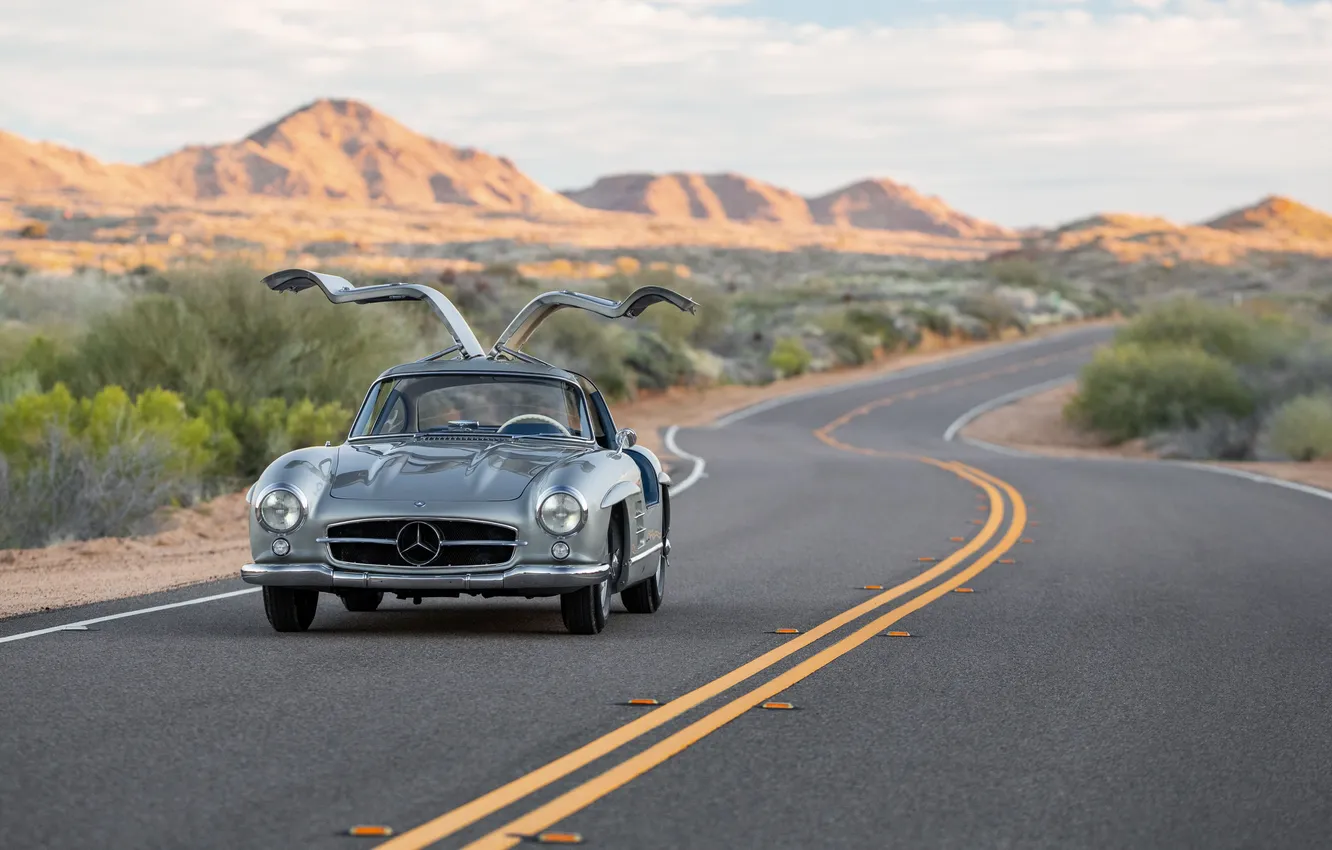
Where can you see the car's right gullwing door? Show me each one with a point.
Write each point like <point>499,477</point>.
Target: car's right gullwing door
<point>539,309</point>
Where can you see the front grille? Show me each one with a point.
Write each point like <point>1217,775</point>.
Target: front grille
<point>374,543</point>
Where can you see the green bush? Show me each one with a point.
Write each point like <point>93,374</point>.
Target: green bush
<point>108,419</point>
<point>1224,332</point>
<point>933,321</point>
<point>658,364</point>
<point>1130,391</point>
<point>78,468</point>
<point>589,346</point>
<point>991,311</point>
<point>789,357</point>
<point>878,324</point>
<point>849,345</point>
<point>223,330</point>
<point>1301,428</point>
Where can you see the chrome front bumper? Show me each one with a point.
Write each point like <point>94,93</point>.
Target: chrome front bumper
<point>540,577</point>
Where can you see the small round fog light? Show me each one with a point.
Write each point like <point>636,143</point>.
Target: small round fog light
<point>560,550</point>
<point>281,547</point>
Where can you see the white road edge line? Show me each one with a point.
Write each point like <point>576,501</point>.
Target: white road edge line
<point>699,463</point>
<point>669,438</point>
<point>1008,398</point>
<point>82,624</point>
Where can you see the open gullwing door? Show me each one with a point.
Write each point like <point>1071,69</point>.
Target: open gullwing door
<point>539,309</point>
<point>341,291</point>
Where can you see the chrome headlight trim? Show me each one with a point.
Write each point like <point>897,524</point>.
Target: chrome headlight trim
<point>568,491</point>
<point>290,488</point>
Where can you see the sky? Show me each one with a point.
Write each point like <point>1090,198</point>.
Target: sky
<point>1025,112</point>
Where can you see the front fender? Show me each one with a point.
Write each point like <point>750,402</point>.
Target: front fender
<point>309,470</point>
<point>621,491</point>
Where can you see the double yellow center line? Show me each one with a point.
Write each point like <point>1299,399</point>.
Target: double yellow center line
<point>599,786</point>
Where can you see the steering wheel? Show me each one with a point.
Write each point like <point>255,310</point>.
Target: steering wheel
<point>535,417</point>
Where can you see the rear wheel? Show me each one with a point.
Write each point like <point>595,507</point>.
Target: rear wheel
<point>586,610</point>
<point>290,610</point>
<point>361,600</point>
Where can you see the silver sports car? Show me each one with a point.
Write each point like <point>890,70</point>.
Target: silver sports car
<point>470,471</point>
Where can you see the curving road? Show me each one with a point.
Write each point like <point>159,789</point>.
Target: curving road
<point>1143,661</point>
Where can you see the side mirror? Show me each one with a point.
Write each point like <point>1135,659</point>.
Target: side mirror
<point>625,438</point>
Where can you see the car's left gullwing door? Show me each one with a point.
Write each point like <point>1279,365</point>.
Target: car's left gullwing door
<point>341,291</point>
<point>539,309</point>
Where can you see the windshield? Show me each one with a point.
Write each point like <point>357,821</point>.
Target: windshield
<point>506,404</point>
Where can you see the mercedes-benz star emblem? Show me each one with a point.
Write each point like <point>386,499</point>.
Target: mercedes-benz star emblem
<point>419,543</point>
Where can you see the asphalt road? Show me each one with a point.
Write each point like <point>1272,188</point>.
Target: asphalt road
<point>1150,670</point>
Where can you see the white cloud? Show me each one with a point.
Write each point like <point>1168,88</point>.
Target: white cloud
<point>1180,106</point>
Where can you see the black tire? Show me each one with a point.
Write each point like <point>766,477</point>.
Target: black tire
<point>586,609</point>
<point>646,596</point>
<point>290,610</point>
<point>360,601</point>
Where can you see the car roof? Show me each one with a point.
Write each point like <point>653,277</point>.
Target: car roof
<point>481,365</point>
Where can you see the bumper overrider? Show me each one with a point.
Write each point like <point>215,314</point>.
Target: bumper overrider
<point>527,577</point>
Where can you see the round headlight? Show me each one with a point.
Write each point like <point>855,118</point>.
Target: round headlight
<point>561,514</point>
<point>280,511</point>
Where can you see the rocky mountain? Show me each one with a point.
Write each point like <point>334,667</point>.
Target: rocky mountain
<point>887,205</point>
<point>45,168</point>
<point>345,150</point>
<point>1277,216</point>
<point>707,197</point>
<point>867,205</point>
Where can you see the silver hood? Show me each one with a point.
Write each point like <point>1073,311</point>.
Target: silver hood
<point>445,469</point>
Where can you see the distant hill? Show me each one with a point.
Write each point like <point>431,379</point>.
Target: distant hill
<point>345,150</point>
<point>707,197</point>
<point>886,205</point>
<point>337,150</point>
<point>1278,216</point>
<point>47,168</point>
<point>868,205</point>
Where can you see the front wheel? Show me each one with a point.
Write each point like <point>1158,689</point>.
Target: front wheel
<point>290,610</point>
<point>586,610</point>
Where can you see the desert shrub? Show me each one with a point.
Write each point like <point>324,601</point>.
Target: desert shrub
<point>108,419</point>
<point>789,357</point>
<point>33,230</point>
<point>656,363</point>
<point>589,346</point>
<point>991,311</point>
<point>1220,331</point>
<point>16,383</point>
<point>1217,436</point>
<point>1130,391</point>
<point>77,468</point>
<point>849,346</point>
<point>223,330</point>
<point>1301,429</point>
<point>934,321</point>
<point>878,324</point>
<point>79,493</point>
<point>246,438</point>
